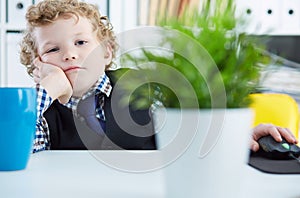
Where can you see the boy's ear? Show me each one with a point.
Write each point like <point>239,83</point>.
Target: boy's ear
<point>108,54</point>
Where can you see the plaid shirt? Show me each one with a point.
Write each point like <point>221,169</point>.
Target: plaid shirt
<point>44,101</point>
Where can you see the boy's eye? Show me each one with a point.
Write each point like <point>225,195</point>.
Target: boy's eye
<point>52,50</point>
<point>80,42</point>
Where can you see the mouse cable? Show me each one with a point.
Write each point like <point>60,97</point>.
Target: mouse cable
<point>294,157</point>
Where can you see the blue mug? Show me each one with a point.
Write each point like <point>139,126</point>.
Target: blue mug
<point>17,126</point>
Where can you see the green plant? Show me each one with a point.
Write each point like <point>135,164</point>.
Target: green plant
<point>237,56</point>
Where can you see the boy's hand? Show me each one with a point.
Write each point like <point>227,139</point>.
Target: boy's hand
<point>275,131</point>
<point>53,79</point>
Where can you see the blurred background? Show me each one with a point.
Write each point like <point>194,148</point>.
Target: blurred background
<point>277,19</point>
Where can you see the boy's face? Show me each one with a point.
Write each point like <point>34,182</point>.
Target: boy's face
<point>73,46</point>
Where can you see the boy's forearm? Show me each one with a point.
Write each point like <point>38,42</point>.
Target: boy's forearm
<point>42,133</point>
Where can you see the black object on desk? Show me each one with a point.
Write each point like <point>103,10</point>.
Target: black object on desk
<point>276,157</point>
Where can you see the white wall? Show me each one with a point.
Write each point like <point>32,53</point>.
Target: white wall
<point>273,17</point>
<point>276,17</point>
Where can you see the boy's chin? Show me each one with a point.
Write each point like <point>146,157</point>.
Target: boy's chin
<point>79,93</point>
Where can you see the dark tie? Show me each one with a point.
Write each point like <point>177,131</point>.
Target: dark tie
<point>87,109</point>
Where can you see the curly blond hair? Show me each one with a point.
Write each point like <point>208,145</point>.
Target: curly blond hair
<point>48,11</point>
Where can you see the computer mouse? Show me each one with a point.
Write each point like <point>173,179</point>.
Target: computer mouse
<point>272,149</point>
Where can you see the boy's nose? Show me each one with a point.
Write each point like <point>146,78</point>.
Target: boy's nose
<point>69,55</point>
<point>69,58</point>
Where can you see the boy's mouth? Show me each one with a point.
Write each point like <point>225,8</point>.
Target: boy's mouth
<point>71,68</point>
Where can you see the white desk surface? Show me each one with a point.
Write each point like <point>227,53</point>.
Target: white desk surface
<point>78,174</point>
<point>64,174</point>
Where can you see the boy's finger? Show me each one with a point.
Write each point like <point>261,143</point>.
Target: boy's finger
<point>254,145</point>
<point>287,134</point>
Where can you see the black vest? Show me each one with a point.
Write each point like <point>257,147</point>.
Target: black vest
<point>68,132</point>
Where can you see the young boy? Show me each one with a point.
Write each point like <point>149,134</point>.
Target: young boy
<point>68,48</point>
